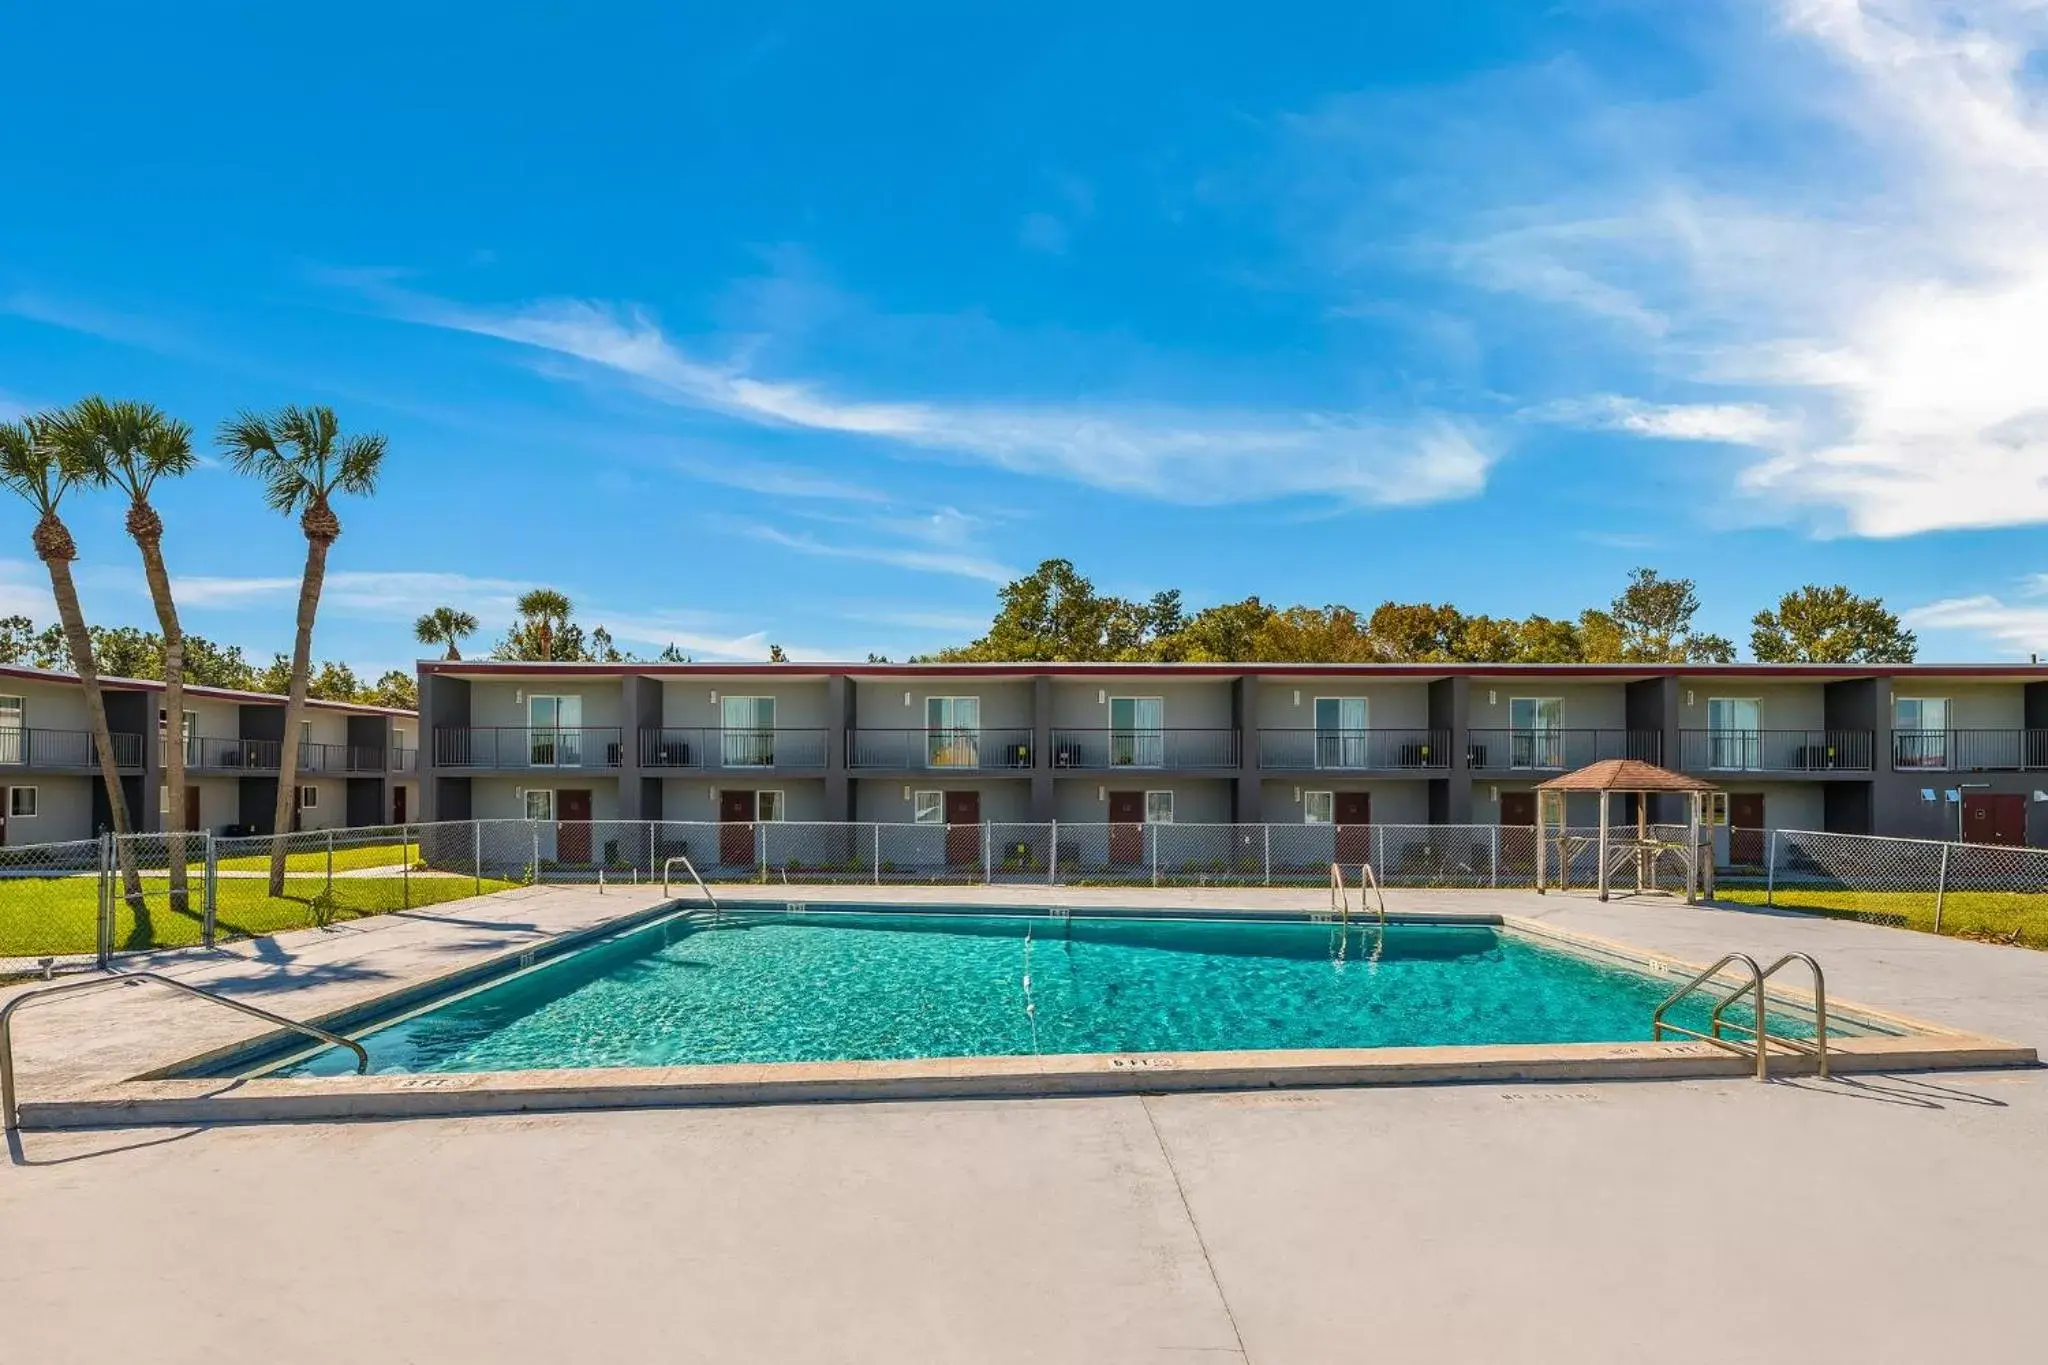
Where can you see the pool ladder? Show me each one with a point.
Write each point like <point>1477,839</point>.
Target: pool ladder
<point>10,1115</point>
<point>1340,895</point>
<point>717,910</point>
<point>1760,1036</point>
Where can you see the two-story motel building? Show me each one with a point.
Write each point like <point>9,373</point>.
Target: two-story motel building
<point>357,765</point>
<point>1925,750</point>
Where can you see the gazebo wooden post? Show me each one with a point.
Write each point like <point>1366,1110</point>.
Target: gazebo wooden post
<point>1542,824</point>
<point>1642,838</point>
<point>1605,798</point>
<point>1692,849</point>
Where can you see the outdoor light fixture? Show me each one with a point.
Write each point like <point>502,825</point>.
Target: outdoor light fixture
<point>1493,795</point>
<point>714,696</point>
<point>1297,796</point>
<point>519,696</point>
<point>906,697</point>
<point>1102,696</point>
<point>906,791</point>
<point>1492,697</point>
<point>1297,696</point>
<point>1102,793</point>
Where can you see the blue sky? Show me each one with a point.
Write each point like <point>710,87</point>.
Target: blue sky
<point>813,324</point>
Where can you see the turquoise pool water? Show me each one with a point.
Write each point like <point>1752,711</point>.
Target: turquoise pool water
<point>843,986</point>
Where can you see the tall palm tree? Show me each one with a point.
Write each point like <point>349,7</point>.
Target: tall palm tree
<point>130,446</point>
<point>445,626</point>
<point>302,460</point>
<point>33,465</point>
<point>546,611</point>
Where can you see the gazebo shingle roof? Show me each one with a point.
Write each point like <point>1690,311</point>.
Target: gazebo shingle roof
<point>1625,775</point>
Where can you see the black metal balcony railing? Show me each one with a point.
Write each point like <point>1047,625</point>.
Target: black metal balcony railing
<point>1790,751</point>
<point>1969,750</point>
<point>1359,750</point>
<point>206,754</point>
<point>1562,750</point>
<point>65,749</point>
<point>912,750</point>
<point>712,747</point>
<point>528,746</point>
<point>1163,748</point>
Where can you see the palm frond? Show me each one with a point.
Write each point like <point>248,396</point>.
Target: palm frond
<point>247,439</point>
<point>360,457</point>
<point>29,462</point>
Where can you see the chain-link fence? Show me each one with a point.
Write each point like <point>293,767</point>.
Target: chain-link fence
<point>104,897</point>
<point>1986,891</point>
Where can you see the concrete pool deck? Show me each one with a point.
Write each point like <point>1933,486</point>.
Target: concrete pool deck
<point>79,1059</point>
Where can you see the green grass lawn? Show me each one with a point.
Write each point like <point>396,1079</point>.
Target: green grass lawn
<point>59,915</point>
<point>2001,916</point>
<point>346,859</point>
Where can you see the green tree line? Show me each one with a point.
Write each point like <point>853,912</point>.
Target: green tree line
<point>130,652</point>
<point>1055,615</point>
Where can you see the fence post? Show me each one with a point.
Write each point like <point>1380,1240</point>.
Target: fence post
<point>1494,876</point>
<point>210,892</point>
<point>988,853</point>
<point>106,916</point>
<point>1266,857</point>
<point>1770,866</point>
<point>405,860</point>
<point>477,827</point>
<point>330,864</point>
<point>651,871</point>
<point>1941,885</point>
<point>761,847</point>
<point>1052,874</point>
<point>1379,848</point>
<point>533,875</point>
<point>878,852</point>
<point>1153,831</point>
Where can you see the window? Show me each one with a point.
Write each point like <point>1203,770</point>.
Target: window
<point>1319,808</point>
<point>1734,736</point>
<point>1536,732</point>
<point>554,737</point>
<point>540,805</point>
<point>952,732</point>
<point>748,738</point>
<point>191,731</point>
<point>1137,736</point>
<point>1158,808</point>
<point>768,806</point>
<point>1920,732</point>
<point>305,732</point>
<point>309,798</point>
<point>1717,808</point>
<point>13,731</point>
<point>21,803</point>
<point>1340,732</point>
<point>928,808</point>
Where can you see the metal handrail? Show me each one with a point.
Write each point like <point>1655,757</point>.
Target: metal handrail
<point>1756,976</point>
<point>9,1111</point>
<point>1818,1049</point>
<point>717,910</point>
<point>1340,894</point>
<point>1367,877</point>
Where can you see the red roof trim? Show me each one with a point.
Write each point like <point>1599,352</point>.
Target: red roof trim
<point>46,675</point>
<point>1424,670</point>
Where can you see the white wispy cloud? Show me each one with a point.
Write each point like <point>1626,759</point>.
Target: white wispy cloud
<point>1165,452</point>
<point>779,481</point>
<point>2016,628</point>
<point>372,592</point>
<point>960,563</point>
<point>1864,303</point>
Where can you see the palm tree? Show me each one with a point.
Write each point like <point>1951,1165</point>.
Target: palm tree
<point>445,626</point>
<point>131,446</point>
<point>32,464</point>
<point>302,459</point>
<point>545,611</point>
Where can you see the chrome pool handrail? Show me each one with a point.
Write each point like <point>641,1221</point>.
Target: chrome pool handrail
<point>9,1110</point>
<point>1818,1049</point>
<point>1761,1038</point>
<point>717,910</point>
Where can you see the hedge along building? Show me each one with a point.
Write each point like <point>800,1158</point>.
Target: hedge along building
<point>358,765</point>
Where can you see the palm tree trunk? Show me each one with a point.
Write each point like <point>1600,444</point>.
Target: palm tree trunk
<point>148,533</point>
<point>72,617</point>
<point>295,705</point>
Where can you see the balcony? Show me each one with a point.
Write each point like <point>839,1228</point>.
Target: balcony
<point>204,754</point>
<point>1355,750</point>
<point>1166,750</point>
<point>64,750</point>
<point>714,748</point>
<point>405,760</point>
<point>521,747</point>
<point>1775,751</point>
<point>938,750</point>
<point>1970,751</point>
<point>1546,751</point>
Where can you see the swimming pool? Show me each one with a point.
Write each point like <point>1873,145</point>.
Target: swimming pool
<point>845,984</point>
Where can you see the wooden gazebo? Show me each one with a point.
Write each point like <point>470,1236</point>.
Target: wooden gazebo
<point>1627,777</point>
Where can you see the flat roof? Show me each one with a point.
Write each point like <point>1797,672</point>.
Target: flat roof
<point>55,675</point>
<point>485,668</point>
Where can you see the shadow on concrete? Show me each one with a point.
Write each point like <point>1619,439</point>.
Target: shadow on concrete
<point>18,1156</point>
<point>1908,1092</point>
